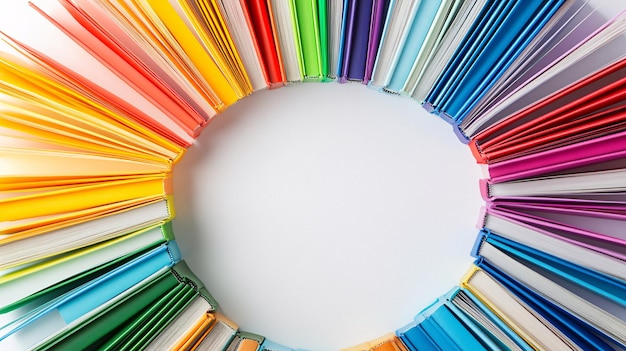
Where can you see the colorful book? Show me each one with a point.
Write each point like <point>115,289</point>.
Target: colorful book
<point>80,301</point>
<point>601,313</point>
<point>20,285</point>
<point>356,32</point>
<point>309,22</point>
<point>260,22</point>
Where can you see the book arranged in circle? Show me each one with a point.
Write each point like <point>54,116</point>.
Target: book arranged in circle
<point>536,89</point>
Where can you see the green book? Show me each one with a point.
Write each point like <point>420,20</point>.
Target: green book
<point>323,35</point>
<point>135,318</point>
<point>308,24</point>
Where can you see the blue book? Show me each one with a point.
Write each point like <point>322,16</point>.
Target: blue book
<point>508,39</point>
<point>439,335</point>
<point>415,338</point>
<point>446,329</point>
<point>578,331</point>
<point>487,19</point>
<point>346,33</point>
<point>602,284</point>
<point>419,29</point>
<point>463,103</point>
<point>481,334</point>
<point>476,47</point>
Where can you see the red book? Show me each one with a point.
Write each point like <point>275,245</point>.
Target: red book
<point>259,18</point>
<point>584,107</point>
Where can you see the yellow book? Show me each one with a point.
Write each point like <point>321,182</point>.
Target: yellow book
<point>12,231</point>
<point>17,230</point>
<point>58,200</point>
<point>74,131</point>
<point>208,23</point>
<point>162,14</point>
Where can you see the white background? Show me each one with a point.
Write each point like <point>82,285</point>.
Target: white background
<point>319,215</point>
<point>325,215</point>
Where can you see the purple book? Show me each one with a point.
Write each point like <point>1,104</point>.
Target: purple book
<point>356,32</point>
<point>379,15</point>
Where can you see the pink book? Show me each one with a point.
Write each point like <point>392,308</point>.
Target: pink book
<point>606,148</point>
<point>599,232</point>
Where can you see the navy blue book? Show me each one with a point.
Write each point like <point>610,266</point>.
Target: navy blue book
<point>356,33</point>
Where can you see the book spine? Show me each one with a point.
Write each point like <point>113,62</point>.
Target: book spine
<point>360,38</point>
<point>183,273</point>
<point>379,14</point>
<point>322,11</point>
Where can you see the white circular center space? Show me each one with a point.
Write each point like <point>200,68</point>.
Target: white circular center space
<point>326,215</point>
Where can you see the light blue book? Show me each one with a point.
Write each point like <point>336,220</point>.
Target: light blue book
<point>80,301</point>
<point>446,329</point>
<point>419,29</point>
<point>415,338</point>
<point>485,338</point>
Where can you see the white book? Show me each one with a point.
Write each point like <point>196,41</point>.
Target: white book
<point>18,284</point>
<point>397,25</point>
<point>220,335</point>
<point>289,45</point>
<point>527,323</point>
<point>607,181</point>
<point>553,245</point>
<point>236,21</point>
<point>465,304</point>
<point>55,242</point>
<point>607,316</point>
<point>334,17</point>
<point>191,316</point>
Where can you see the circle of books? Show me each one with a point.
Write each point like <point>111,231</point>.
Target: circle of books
<point>535,88</point>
